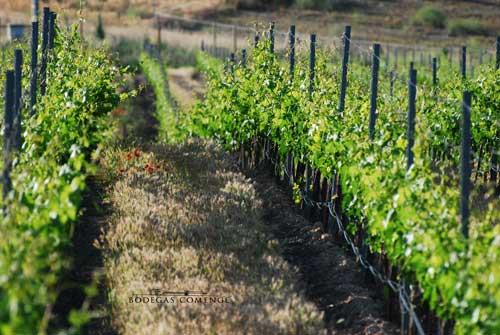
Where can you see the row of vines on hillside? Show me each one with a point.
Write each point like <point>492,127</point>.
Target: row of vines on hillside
<point>411,215</point>
<point>60,141</point>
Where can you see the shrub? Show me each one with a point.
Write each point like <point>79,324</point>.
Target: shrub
<point>430,16</point>
<point>325,4</point>
<point>139,12</point>
<point>462,27</point>
<point>257,4</point>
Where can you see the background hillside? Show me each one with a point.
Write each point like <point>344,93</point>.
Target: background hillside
<point>404,21</point>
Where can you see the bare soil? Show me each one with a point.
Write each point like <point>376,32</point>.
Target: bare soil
<point>186,85</point>
<point>333,278</point>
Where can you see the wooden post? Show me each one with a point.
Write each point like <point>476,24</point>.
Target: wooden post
<point>494,155</point>
<point>34,64</point>
<point>18,87</point>
<point>434,71</point>
<point>271,37</point>
<point>291,42</point>
<point>345,62</point>
<point>292,50</point>
<point>312,64</point>
<point>465,168</point>
<point>396,58</point>
<point>410,133</point>
<point>497,54</point>
<point>244,57</point>
<point>391,79</point>
<point>463,63</point>
<point>8,120</point>
<point>45,43</point>
<point>232,61</point>
<point>52,29</point>
<point>374,89</point>
<point>312,73</point>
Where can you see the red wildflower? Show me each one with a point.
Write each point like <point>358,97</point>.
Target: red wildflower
<point>129,156</point>
<point>146,166</point>
<point>119,112</point>
<point>158,166</point>
<point>137,154</point>
<point>150,169</point>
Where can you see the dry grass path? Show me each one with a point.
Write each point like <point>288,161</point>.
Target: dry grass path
<point>191,223</point>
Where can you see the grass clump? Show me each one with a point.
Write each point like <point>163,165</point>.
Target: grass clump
<point>461,27</point>
<point>429,16</point>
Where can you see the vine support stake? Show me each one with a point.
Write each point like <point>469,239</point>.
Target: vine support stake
<point>34,64</point>
<point>232,60</point>
<point>434,71</point>
<point>497,59</point>
<point>494,155</point>
<point>52,29</point>
<point>391,82</point>
<point>396,58</point>
<point>256,37</point>
<point>463,63</point>
<point>244,57</point>
<point>18,88</point>
<point>465,168</point>
<point>345,62</point>
<point>292,49</point>
<point>8,121</point>
<point>374,88</point>
<point>45,43</point>
<point>291,42</point>
<point>410,132</point>
<point>271,37</point>
<point>312,64</point>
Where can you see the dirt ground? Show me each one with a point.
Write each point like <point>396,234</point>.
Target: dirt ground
<point>333,279</point>
<point>186,86</point>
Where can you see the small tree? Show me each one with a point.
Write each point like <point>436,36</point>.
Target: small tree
<point>100,29</point>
